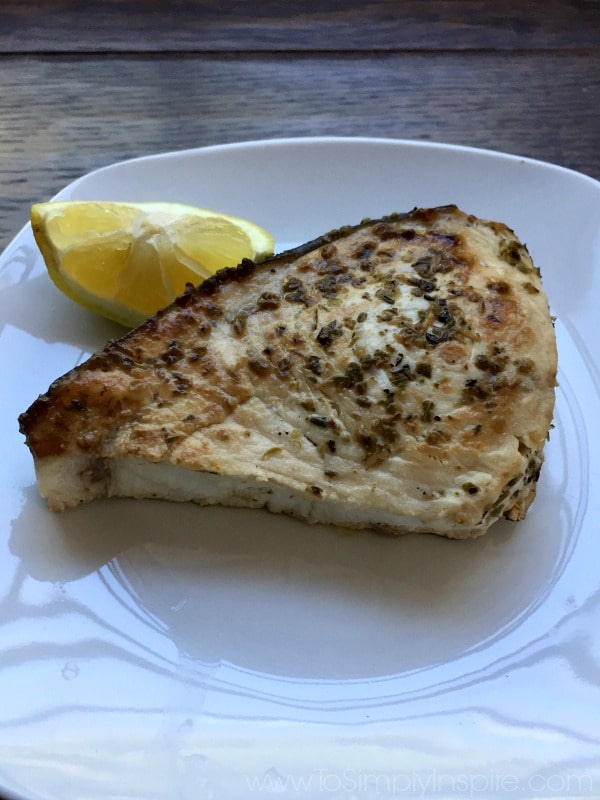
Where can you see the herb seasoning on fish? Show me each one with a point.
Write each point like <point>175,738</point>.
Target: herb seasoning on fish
<point>398,375</point>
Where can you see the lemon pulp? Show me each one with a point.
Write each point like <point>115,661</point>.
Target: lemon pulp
<point>127,260</point>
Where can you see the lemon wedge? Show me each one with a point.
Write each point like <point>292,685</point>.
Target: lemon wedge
<point>127,260</point>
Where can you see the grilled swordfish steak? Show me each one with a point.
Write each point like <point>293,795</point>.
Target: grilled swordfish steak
<point>396,375</point>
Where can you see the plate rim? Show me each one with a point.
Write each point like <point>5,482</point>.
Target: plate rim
<point>333,139</point>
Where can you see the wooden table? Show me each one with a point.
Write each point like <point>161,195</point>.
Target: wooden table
<point>87,84</point>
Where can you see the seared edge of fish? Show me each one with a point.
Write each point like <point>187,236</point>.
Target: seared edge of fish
<point>397,375</point>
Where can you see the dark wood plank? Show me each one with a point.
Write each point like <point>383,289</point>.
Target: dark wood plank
<point>64,118</point>
<point>236,25</point>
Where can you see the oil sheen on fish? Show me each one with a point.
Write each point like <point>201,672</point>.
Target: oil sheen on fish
<point>396,375</point>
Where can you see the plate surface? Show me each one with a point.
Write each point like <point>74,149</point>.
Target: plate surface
<point>154,650</point>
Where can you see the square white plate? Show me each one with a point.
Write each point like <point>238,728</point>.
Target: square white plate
<point>154,650</point>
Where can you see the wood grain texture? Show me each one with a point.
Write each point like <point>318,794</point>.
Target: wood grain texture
<point>64,117</point>
<point>280,25</point>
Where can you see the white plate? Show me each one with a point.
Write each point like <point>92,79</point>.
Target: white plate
<point>151,650</point>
